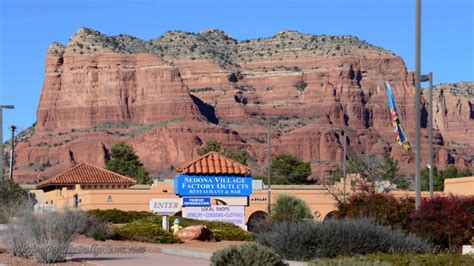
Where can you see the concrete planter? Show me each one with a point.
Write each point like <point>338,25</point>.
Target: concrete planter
<point>468,249</point>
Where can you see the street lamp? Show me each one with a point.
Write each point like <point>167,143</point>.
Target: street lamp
<point>1,136</point>
<point>12,151</point>
<point>429,78</point>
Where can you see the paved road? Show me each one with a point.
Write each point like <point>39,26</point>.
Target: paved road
<point>143,259</point>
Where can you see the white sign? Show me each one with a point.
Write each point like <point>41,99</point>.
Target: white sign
<point>217,213</point>
<point>43,207</point>
<point>165,206</point>
<point>233,201</point>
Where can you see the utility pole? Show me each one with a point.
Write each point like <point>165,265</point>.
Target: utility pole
<point>344,173</point>
<point>417,105</point>
<point>269,171</point>
<point>1,136</point>
<point>12,151</point>
<point>430,132</point>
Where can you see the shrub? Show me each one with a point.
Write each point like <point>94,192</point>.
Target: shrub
<point>11,196</point>
<point>290,208</point>
<point>399,260</point>
<point>222,231</point>
<point>46,237</point>
<point>307,239</point>
<point>383,208</point>
<point>247,254</point>
<point>98,229</point>
<point>118,216</point>
<point>446,221</point>
<point>145,231</point>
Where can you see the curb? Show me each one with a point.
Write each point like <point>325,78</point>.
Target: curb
<point>202,255</point>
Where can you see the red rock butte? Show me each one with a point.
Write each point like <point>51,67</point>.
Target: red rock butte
<point>168,95</point>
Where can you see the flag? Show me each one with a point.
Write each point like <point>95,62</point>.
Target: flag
<point>401,137</point>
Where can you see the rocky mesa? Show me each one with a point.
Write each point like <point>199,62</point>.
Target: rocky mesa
<point>168,95</point>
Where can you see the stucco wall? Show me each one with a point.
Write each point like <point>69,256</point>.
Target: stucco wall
<point>137,199</point>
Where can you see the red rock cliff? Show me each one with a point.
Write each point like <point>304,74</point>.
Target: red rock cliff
<point>168,95</point>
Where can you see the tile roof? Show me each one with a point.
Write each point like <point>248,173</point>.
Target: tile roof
<point>85,173</point>
<point>213,163</point>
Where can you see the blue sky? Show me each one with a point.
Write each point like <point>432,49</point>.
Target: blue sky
<point>27,27</point>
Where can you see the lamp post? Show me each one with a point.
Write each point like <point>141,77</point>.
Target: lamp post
<point>424,78</point>
<point>12,151</point>
<point>1,136</point>
<point>417,105</point>
<point>430,132</point>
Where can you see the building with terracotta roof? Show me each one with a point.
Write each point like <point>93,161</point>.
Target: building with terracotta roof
<point>88,176</point>
<point>215,164</point>
<point>96,188</point>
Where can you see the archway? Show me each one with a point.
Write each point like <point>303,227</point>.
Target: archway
<point>330,216</point>
<point>254,219</point>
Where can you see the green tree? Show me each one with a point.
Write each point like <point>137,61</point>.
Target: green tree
<point>287,169</point>
<point>389,169</point>
<point>440,175</point>
<point>125,161</point>
<point>290,208</point>
<point>12,196</point>
<point>211,145</point>
<point>371,168</point>
<point>240,156</point>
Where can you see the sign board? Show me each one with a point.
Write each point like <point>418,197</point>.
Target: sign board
<point>189,185</point>
<point>218,213</point>
<point>232,201</point>
<point>165,206</point>
<point>44,207</point>
<point>196,202</point>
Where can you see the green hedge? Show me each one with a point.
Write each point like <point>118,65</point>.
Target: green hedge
<point>399,259</point>
<point>222,231</point>
<point>144,231</point>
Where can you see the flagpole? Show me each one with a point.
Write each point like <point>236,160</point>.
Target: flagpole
<point>417,105</point>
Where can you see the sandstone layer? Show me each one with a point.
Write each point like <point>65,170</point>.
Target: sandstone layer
<point>167,96</point>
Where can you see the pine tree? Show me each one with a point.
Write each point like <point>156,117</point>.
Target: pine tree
<point>126,162</point>
<point>240,156</point>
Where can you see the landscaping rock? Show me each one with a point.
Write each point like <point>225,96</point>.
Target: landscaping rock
<point>196,232</point>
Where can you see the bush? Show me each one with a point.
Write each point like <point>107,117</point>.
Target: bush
<point>399,260</point>
<point>98,229</point>
<point>383,208</point>
<point>307,239</point>
<point>290,208</point>
<point>46,237</point>
<point>118,216</point>
<point>145,231</point>
<point>247,254</point>
<point>11,197</point>
<point>222,231</point>
<point>446,221</point>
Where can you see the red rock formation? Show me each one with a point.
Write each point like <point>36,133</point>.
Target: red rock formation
<point>169,95</point>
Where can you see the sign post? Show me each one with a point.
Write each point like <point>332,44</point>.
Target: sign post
<point>165,223</point>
